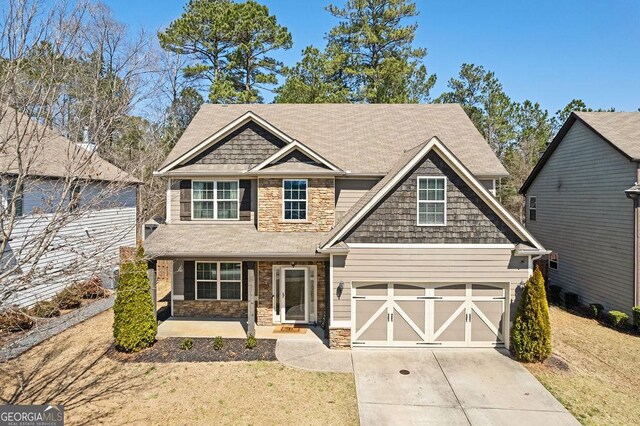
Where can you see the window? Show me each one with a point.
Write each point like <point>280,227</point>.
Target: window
<point>215,200</point>
<point>432,201</point>
<point>74,198</point>
<point>295,199</point>
<point>218,280</point>
<point>553,261</point>
<point>15,193</point>
<point>533,208</point>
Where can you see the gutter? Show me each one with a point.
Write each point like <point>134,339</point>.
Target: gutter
<point>531,252</point>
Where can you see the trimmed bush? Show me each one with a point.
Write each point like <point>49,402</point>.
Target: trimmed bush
<point>596,310</point>
<point>636,317</point>
<point>251,342</point>
<point>134,323</point>
<point>68,299</point>
<point>618,319</point>
<point>186,344</point>
<point>571,300</point>
<point>45,309</point>
<point>555,294</point>
<point>531,332</point>
<point>15,319</point>
<point>218,344</point>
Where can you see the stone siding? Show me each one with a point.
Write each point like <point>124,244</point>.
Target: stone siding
<point>210,308</point>
<point>265,290</point>
<point>320,206</point>
<point>339,338</point>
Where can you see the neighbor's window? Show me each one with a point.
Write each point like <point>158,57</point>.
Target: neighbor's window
<point>218,280</point>
<point>295,199</point>
<point>432,201</point>
<point>553,261</point>
<point>15,193</point>
<point>533,208</point>
<point>74,198</point>
<point>215,200</point>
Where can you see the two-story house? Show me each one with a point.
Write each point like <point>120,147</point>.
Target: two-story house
<point>378,221</point>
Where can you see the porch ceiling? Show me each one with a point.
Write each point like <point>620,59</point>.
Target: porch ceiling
<point>229,240</point>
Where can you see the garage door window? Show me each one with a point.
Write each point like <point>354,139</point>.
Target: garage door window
<point>432,201</point>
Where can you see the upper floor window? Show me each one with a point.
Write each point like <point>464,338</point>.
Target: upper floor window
<point>14,193</point>
<point>533,208</point>
<point>295,199</point>
<point>432,201</point>
<point>215,200</point>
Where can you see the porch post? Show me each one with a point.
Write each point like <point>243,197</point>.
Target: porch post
<point>251,301</point>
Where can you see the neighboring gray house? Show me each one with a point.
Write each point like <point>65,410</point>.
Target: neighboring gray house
<point>378,221</point>
<point>582,203</point>
<point>73,211</point>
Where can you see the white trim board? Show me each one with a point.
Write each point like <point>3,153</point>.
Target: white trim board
<point>427,246</point>
<point>435,144</point>
<point>300,147</point>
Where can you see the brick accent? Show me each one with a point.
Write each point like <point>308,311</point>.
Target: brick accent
<point>339,338</point>
<point>265,289</point>
<point>210,308</point>
<point>320,206</point>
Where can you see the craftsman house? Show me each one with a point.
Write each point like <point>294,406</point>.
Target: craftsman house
<point>376,221</point>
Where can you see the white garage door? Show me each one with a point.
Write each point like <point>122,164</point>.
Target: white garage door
<point>429,315</point>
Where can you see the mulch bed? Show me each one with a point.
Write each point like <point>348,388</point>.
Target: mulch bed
<point>168,350</point>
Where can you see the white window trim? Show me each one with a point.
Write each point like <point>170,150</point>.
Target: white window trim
<point>529,208</point>
<point>418,201</point>
<point>306,201</point>
<point>557,261</point>
<point>218,280</point>
<point>215,199</point>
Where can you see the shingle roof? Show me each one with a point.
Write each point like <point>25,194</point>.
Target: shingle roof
<point>49,153</point>
<point>359,138</point>
<point>191,239</point>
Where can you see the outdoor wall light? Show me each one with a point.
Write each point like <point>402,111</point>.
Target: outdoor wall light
<point>340,289</point>
<point>293,264</point>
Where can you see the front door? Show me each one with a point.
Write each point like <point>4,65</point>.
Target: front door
<point>293,302</point>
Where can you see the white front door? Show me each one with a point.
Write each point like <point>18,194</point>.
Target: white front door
<point>294,306</point>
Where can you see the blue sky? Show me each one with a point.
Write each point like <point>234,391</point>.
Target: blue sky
<point>549,51</point>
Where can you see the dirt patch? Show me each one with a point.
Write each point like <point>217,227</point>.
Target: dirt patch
<point>556,363</point>
<point>169,350</point>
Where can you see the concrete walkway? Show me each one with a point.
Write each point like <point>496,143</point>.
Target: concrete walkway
<point>450,386</point>
<point>313,356</point>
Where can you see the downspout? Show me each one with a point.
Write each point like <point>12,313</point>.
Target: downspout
<point>636,243</point>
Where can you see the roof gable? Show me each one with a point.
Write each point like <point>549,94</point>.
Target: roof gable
<point>404,166</point>
<point>295,152</point>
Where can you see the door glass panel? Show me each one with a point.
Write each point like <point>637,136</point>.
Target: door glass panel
<point>276,280</point>
<point>454,290</point>
<point>372,290</point>
<point>408,290</point>
<point>294,298</point>
<point>484,290</point>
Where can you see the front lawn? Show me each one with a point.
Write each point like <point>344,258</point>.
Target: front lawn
<point>73,369</point>
<point>594,370</point>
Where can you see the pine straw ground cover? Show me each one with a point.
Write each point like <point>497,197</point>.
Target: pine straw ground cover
<point>73,369</point>
<point>593,370</point>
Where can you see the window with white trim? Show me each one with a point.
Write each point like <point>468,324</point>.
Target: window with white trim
<point>295,199</point>
<point>533,208</point>
<point>553,260</point>
<point>215,200</point>
<point>432,201</point>
<point>218,280</point>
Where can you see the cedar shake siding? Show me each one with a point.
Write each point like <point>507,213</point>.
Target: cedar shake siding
<point>320,206</point>
<point>299,157</point>
<point>469,219</point>
<point>585,217</point>
<point>250,145</point>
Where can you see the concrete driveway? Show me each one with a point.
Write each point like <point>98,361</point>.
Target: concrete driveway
<point>450,386</point>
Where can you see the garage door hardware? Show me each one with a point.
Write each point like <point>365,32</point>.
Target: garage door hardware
<point>390,317</point>
<point>359,297</point>
<point>404,372</point>
<point>467,317</point>
<point>499,298</point>
<point>429,297</point>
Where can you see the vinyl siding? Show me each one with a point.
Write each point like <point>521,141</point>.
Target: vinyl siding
<point>348,191</point>
<point>584,216</point>
<point>422,265</point>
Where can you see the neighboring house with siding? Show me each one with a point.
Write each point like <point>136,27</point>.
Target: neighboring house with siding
<point>64,211</point>
<point>377,221</point>
<point>582,204</point>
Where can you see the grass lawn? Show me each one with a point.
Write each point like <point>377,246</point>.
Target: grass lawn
<point>594,371</point>
<point>72,369</point>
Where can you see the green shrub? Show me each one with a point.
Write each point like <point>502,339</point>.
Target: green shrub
<point>618,319</point>
<point>531,332</point>
<point>571,300</point>
<point>596,310</point>
<point>68,299</point>
<point>252,342</point>
<point>15,319</point>
<point>636,317</point>
<point>555,294</point>
<point>218,343</point>
<point>186,344</point>
<point>134,323</point>
<point>45,309</point>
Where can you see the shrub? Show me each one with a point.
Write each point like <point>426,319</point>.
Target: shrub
<point>218,343</point>
<point>186,344</point>
<point>636,317</point>
<point>571,300</point>
<point>91,289</point>
<point>531,332</point>
<point>68,299</point>
<point>134,323</point>
<point>45,309</point>
<point>555,294</point>
<point>618,319</point>
<point>252,342</point>
<point>15,320</point>
<point>596,310</point>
